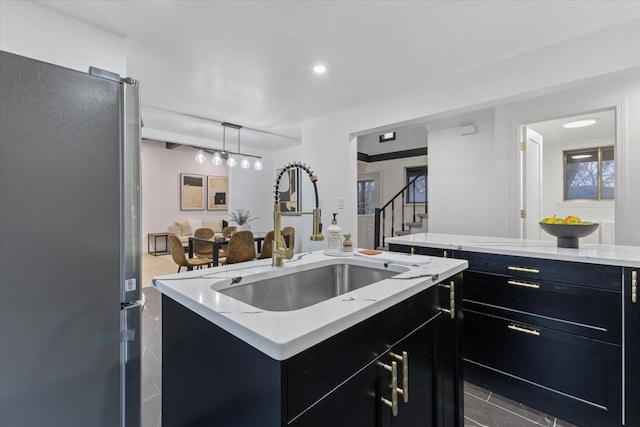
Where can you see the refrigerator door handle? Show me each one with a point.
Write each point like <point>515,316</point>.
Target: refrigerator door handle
<point>130,192</point>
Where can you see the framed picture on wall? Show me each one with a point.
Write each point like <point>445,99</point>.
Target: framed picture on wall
<point>217,193</point>
<point>192,192</point>
<point>290,195</point>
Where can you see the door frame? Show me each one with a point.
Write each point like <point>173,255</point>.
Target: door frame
<point>377,178</point>
<point>620,149</point>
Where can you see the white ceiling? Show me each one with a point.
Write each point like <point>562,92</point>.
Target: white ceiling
<point>603,129</point>
<point>251,63</point>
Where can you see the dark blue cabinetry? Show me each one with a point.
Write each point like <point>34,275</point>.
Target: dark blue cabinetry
<point>210,377</point>
<point>562,337</point>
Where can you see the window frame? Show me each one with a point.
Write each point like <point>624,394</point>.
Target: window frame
<point>358,193</point>
<point>567,153</point>
<point>409,169</point>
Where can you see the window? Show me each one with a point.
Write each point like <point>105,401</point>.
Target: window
<point>589,174</point>
<point>417,192</point>
<point>366,197</point>
<point>389,136</point>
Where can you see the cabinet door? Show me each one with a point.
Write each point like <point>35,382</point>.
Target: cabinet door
<point>420,347</point>
<point>632,346</point>
<point>356,402</point>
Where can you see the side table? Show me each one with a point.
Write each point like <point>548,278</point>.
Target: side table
<point>155,237</point>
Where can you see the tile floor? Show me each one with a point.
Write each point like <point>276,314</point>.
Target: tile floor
<point>482,408</point>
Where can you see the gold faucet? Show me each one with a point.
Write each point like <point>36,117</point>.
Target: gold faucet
<point>280,250</point>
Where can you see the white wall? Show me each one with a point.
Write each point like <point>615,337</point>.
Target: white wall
<point>161,169</point>
<point>326,140</point>
<point>249,190</point>
<point>406,139</point>
<point>620,89</point>
<point>460,184</point>
<point>34,31</point>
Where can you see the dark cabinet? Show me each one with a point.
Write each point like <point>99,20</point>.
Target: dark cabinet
<point>550,334</point>
<point>420,250</point>
<point>210,377</point>
<point>545,333</point>
<point>367,398</point>
<point>631,302</point>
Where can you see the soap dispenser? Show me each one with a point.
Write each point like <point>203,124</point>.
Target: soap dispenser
<point>334,236</point>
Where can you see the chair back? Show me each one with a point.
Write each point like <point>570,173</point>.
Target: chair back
<point>201,249</point>
<point>291,232</point>
<point>228,231</point>
<point>267,246</point>
<point>177,251</point>
<point>241,247</point>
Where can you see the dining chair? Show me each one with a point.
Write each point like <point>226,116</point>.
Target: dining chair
<point>242,248</point>
<point>201,249</point>
<point>227,232</point>
<point>267,246</point>
<point>177,253</point>
<point>291,232</point>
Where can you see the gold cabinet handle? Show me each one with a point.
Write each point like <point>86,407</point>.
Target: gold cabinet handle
<point>525,330</point>
<point>393,403</point>
<point>523,284</point>
<point>452,299</point>
<point>524,269</point>
<point>404,391</point>
<point>634,286</point>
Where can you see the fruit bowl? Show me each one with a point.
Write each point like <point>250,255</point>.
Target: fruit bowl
<point>568,234</point>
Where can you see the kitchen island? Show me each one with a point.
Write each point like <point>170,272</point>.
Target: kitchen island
<point>554,328</point>
<point>347,360</point>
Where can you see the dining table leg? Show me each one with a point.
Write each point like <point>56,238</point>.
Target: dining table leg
<point>214,254</point>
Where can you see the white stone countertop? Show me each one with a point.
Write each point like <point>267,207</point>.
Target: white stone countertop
<point>283,334</point>
<point>625,256</point>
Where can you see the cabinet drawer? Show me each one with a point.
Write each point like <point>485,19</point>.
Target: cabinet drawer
<point>420,250</point>
<point>575,309</point>
<point>583,274</point>
<point>575,370</point>
<point>331,362</point>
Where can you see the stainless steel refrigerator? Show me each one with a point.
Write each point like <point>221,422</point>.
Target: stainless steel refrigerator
<point>70,297</point>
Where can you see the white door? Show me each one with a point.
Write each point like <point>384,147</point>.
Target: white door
<point>531,182</point>
<point>369,197</point>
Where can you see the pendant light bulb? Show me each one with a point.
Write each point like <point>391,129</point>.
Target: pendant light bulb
<point>231,161</point>
<point>216,159</point>
<point>257,165</point>
<point>245,163</point>
<point>200,157</point>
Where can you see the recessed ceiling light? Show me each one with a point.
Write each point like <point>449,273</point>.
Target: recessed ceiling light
<point>319,69</point>
<point>579,123</point>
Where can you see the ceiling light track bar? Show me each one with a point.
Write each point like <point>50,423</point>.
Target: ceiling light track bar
<point>230,125</point>
<point>213,150</point>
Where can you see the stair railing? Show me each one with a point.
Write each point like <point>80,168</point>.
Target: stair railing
<point>380,214</point>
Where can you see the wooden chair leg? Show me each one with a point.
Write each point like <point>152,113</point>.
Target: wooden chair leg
<point>179,267</point>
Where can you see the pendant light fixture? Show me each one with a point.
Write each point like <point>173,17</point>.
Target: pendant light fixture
<point>200,157</point>
<point>218,156</point>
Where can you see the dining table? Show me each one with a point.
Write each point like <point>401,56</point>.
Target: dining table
<point>219,242</point>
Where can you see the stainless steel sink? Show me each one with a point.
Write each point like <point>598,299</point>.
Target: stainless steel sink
<point>304,288</point>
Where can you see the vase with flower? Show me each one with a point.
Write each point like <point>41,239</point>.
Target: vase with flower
<point>242,217</point>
